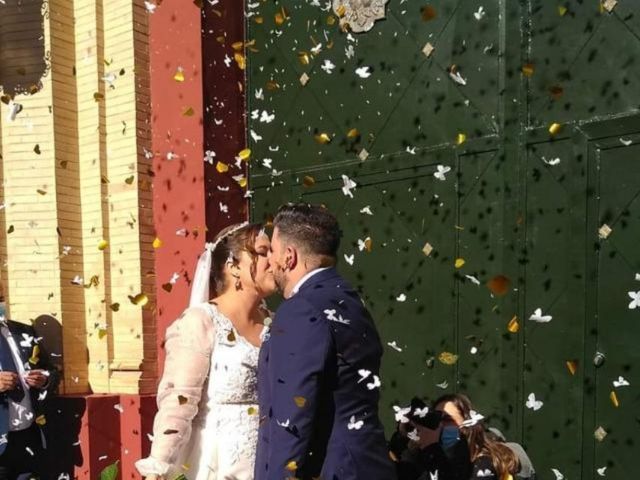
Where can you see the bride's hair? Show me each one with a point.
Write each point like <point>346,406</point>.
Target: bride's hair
<point>229,245</point>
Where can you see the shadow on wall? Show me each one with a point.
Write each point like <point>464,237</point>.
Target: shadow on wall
<point>23,60</point>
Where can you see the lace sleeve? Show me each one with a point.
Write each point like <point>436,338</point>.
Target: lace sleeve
<point>188,345</point>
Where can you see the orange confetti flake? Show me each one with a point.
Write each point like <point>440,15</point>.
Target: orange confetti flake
<point>448,358</point>
<point>572,366</point>
<point>499,285</point>
<point>308,181</point>
<point>428,13</point>
<point>513,326</point>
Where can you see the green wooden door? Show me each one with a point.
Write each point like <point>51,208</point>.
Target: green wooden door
<point>468,215</point>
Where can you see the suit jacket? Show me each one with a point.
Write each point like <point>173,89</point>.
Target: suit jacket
<point>42,362</point>
<point>319,417</point>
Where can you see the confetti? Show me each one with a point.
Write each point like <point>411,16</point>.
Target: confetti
<point>300,401</point>
<point>363,72</point>
<point>614,398</point>
<point>139,300</point>
<point>401,413</point>
<point>188,112</point>
<point>349,258</point>
<point>102,245</point>
<point>366,244</point>
<point>363,155</point>
<point>353,133</point>
<point>562,10</point>
<point>179,75</point>
<point>401,298</point>
<point>347,186</point>
<point>440,173</point>
<point>395,346</point>
<point>222,167</point>
<point>604,231</point>
<point>428,49</point>
<point>366,210</point>
<point>308,181</point>
<point>328,66</point>
<point>157,243</point>
<point>553,162</point>
<point>427,249</point>
<point>114,307</point>
<point>292,466</point>
<point>459,263</point>
<point>353,424</point>
<point>322,138</point>
<point>620,382</point>
<point>556,472</point>
<point>600,434</point>
<point>554,129</point>
<point>601,471</point>
<point>460,139</point>
<point>635,300</point>
<point>572,366</point>
<point>537,316</point>
<point>528,69</point>
<point>609,5</point>
<point>448,358</point>
<point>455,75</point>
<point>479,14</point>
<point>532,403</point>
<point>304,79</point>
<point>472,279</point>
<point>428,13</point>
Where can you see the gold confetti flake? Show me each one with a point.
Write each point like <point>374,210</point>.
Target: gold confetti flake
<point>41,191</point>
<point>304,79</point>
<point>572,366</point>
<point>167,287</point>
<point>300,401</point>
<point>97,96</point>
<point>304,58</point>
<point>252,410</point>
<point>102,332</point>
<point>609,5</point>
<point>428,13</point>
<point>513,326</point>
<point>499,285</point>
<point>114,307</point>
<point>279,18</point>
<point>331,20</point>
<point>259,20</point>
<point>188,112</point>
<point>182,400</point>
<point>35,355</point>
<point>368,244</point>
<point>600,434</point>
<point>242,180</point>
<point>562,10</point>
<point>554,129</point>
<point>244,154</point>
<point>614,399</point>
<point>341,11</point>
<point>231,336</point>
<point>102,244</point>
<point>240,60</point>
<point>528,69</point>
<point>237,46</point>
<point>11,229</point>
<point>363,155</point>
<point>448,358</point>
<point>604,231</point>
<point>428,49</point>
<point>157,243</point>
<point>129,180</point>
<point>556,92</point>
<point>427,249</point>
<point>323,138</point>
<point>353,133</point>
<point>140,299</point>
<point>461,138</point>
<point>460,262</point>
<point>41,420</point>
<point>36,149</point>
<point>292,466</point>
<point>308,181</point>
<point>222,167</point>
<point>179,75</point>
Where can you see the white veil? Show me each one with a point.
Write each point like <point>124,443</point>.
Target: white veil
<point>200,287</point>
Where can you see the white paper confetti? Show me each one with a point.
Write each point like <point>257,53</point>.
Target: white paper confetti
<point>440,173</point>
<point>537,316</point>
<point>635,300</point>
<point>620,382</point>
<point>363,72</point>
<point>532,403</point>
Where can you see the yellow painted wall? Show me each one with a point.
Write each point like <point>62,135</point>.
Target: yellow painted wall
<point>73,172</point>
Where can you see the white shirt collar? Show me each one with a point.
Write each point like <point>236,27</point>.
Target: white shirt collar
<point>301,282</point>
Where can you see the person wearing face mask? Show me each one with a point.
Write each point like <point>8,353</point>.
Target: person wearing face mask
<point>27,379</point>
<point>427,445</point>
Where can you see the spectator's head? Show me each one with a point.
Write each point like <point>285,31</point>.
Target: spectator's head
<point>460,412</point>
<point>305,237</point>
<point>239,260</point>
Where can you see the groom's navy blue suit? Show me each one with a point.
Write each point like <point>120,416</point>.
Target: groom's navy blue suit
<point>319,419</point>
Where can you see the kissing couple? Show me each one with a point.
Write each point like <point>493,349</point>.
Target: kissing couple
<point>244,398</point>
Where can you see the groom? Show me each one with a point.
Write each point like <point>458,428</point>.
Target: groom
<point>318,384</point>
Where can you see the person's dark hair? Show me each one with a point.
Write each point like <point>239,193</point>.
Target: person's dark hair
<point>312,228</point>
<point>480,443</point>
<point>231,242</point>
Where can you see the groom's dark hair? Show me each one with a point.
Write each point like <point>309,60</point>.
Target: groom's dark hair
<point>312,228</point>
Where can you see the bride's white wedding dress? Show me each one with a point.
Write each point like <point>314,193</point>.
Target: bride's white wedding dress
<point>207,422</point>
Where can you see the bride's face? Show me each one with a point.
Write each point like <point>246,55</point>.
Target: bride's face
<point>262,275</point>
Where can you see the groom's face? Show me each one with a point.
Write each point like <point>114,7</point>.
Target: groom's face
<point>278,260</point>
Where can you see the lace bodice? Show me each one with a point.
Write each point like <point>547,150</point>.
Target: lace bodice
<point>234,365</point>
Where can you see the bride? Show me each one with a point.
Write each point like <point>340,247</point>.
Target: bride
<point>207,422</point>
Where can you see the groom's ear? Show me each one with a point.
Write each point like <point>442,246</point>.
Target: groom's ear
<point>290,257</point>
